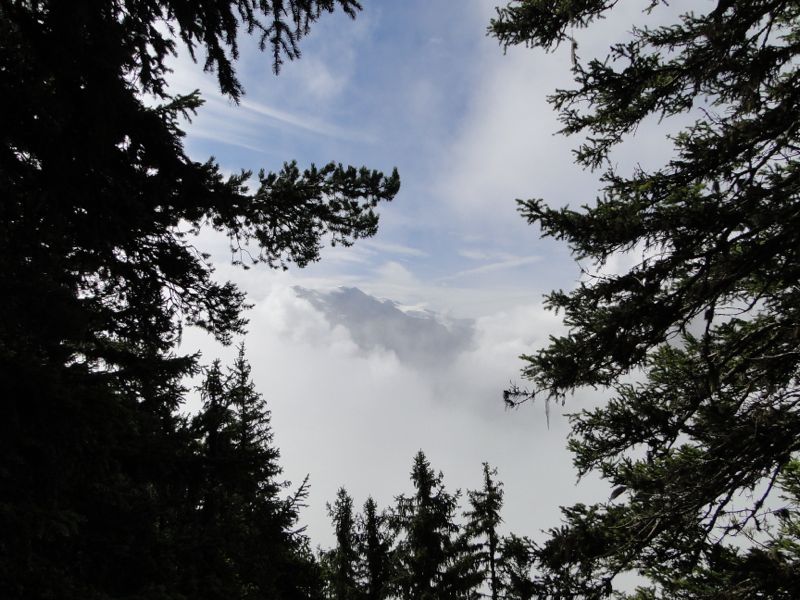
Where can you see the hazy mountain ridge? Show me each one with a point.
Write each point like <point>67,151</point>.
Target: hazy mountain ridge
<point>417,336</point>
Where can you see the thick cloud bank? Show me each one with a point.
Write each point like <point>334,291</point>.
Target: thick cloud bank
<point>358,384</point>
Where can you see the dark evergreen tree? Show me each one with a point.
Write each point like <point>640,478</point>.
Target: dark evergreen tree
<point>435,556</point>
<point>375,541</point>
<point>217,531</point>
<point>247,540</point>
<point>98,278</point>
<point>342,562</point>
<point>426,521</point>
<point>483,519</point>
<point>515,566</point>
<point>771,569</point>
<point>276,557</point>
<point>462,578</point>
<point>708,316</point>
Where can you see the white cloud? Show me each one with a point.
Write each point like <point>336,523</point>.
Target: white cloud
<point>476,254</point>
<point>351,413</point>
<point>397,280</point>
<point>304,122</point>
<point>507,146</point>
<point>319,79</point>
<point>244,125</point>
<point>501,265</point>
<point>392,248</point>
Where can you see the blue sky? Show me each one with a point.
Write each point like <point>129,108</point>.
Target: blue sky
<point>416,85</point>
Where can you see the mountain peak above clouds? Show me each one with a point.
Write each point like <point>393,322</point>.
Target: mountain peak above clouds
<point>419,337</point>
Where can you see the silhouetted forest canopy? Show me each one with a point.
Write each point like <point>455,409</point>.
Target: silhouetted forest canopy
<point>426,545</point>
<point>110,489</point>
